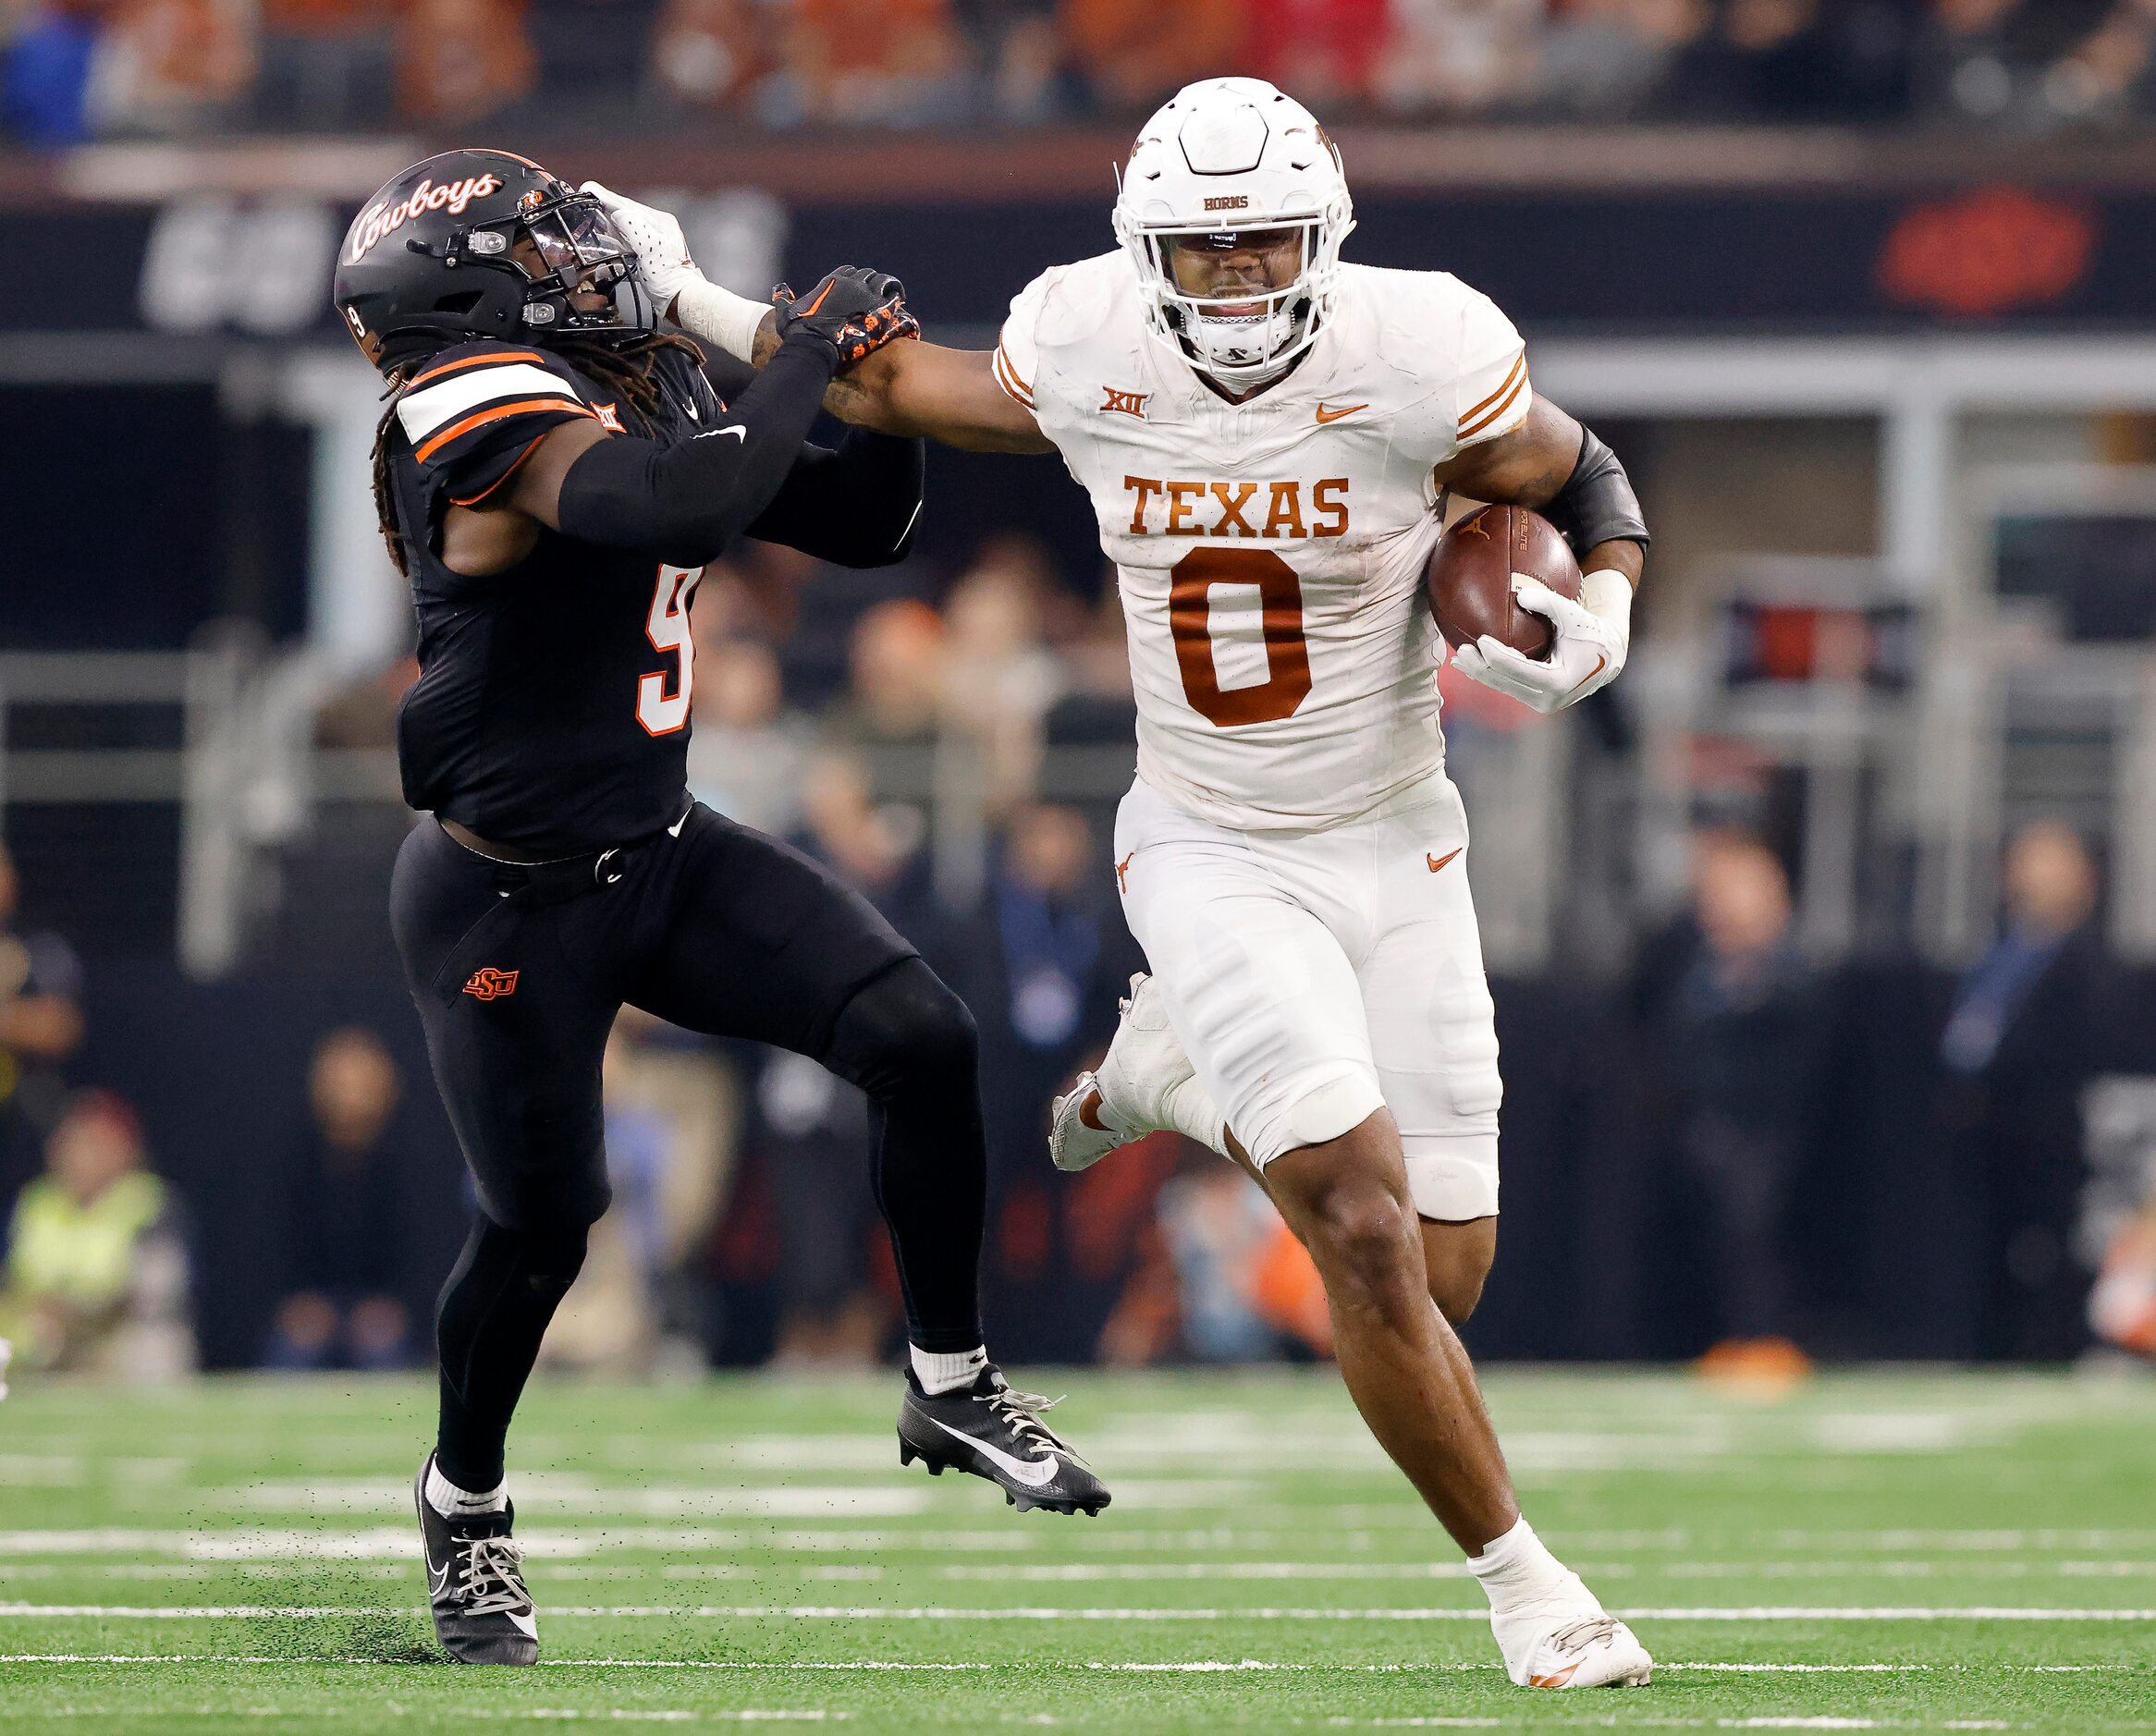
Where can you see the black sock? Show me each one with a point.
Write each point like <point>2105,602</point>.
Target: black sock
<point>909,1043</point>
<point>494,1310</point>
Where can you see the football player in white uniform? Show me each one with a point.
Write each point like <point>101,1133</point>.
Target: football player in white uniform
<point>1269,436</point>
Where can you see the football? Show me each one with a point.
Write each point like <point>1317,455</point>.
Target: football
<point>1470,577</point>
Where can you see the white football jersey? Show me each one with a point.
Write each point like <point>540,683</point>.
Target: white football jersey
<point>1270,554</point>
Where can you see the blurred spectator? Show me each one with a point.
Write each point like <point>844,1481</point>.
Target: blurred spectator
<point>998,681</point>
<point>2108,71</point>
<point>891,711</point>
<point>747,753</point>
<point>871,847</point>
<point>1986,62</point>
<point>2122,1305</point>
<point>1328,52</point>
<point>326,64</point>
<point>172,66</point>
<point>810,1132</point>
<point>461,60</point>
<point>896,63</point>
<point>1455,57</point>
<point>670,1120</point>
<point>1136,54</point>
<point>1041,965</point>
<point>2030,1027</point>
<point>811,1129</point>
<point>1020,71</point>
<point>1096,705</point>
<point>41,1026</point>
<point>97,1275</point>
<point>1227,1282</point>
<point>347,1217</point>
<point>1606,57</point>
<point>50,52</point>
<point>710,52</point>
<point>1745,1030</point>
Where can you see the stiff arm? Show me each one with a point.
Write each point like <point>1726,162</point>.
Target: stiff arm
<point>920,390</point>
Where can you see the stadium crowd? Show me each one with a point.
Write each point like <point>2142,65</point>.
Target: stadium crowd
<point>85,68</point>
<point>836,710</point>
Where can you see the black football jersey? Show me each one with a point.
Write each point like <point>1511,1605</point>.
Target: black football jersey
<point>552,709</point>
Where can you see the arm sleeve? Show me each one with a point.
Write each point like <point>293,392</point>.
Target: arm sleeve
<point>683,503</point>
<point>1493,395</point>
<point>1017,361</point>
<point>856,505</point>
<point>477,411</point>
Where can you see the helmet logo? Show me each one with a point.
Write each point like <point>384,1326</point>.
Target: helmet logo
<point>383,220</point>
<point>1233,201</point>
<point>532,200</point>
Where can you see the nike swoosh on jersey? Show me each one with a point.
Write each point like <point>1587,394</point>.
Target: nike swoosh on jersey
<point>1035,1473</point>
<point>1329,413</point>
<point>733,428</point>
<point>1436,863</point>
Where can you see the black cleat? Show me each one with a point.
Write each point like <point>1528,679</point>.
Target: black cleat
<point>993,1432</point>
<point>475,1580</point>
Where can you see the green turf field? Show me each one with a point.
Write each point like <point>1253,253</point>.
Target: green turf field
<point>1889,1552</point>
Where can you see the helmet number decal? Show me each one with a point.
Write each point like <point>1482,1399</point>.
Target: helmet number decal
<point>1287,652</point>
<point>666,627</point>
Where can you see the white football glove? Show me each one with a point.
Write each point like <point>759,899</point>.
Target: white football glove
<point>1590,641</point>
<point>677,284</point>
<point>662,250</point>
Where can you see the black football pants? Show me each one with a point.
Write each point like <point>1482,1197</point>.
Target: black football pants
<point>518,972</point>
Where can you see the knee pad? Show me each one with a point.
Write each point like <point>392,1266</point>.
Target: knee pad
<point>904,1031</point>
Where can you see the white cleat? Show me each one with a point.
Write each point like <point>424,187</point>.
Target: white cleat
<point>1075,1144</point>
<point>1594,1651</point>
<point>1128,1097</point>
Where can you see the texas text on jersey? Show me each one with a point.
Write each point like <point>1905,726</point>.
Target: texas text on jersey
<point>552,711</point>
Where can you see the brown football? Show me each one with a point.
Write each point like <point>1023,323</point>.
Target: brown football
<point>1470,577</point>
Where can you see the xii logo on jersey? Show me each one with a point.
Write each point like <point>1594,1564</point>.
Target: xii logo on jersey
<point>488,983</point>
<point>609,418</point>
<point>1124,403</point>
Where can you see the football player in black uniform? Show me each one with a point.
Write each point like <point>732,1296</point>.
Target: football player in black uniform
<point>552,474</point>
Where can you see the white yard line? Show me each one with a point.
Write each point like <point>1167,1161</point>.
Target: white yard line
<point>937,1612</point>
<point>1206,1666</point>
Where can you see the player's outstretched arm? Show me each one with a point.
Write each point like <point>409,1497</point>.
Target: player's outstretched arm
<point>912,389</point>
<point>924,390</point>
<point>1552,464</point>
<point>679,502</point>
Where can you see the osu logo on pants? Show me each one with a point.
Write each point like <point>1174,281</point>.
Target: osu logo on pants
<point>488,983</point>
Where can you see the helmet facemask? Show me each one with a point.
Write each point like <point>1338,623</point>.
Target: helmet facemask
<point>581,274</point>
<point>1238,302</point>
<point>1204,293</point>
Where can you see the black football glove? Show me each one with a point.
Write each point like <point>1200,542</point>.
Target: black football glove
<point>854,311</point>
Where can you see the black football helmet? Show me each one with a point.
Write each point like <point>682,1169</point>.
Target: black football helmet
<point>483,244</point>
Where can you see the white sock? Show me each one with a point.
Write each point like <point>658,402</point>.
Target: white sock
<point>1187,1109</point>
<point>941,1371</point>
<point>1518,1573</point>
<point>452,1502</point>
<point>1192,1112</point>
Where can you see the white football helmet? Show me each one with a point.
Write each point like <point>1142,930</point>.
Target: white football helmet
<point>1227,158</point>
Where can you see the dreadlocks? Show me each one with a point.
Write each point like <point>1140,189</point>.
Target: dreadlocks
<point>622,365</point>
